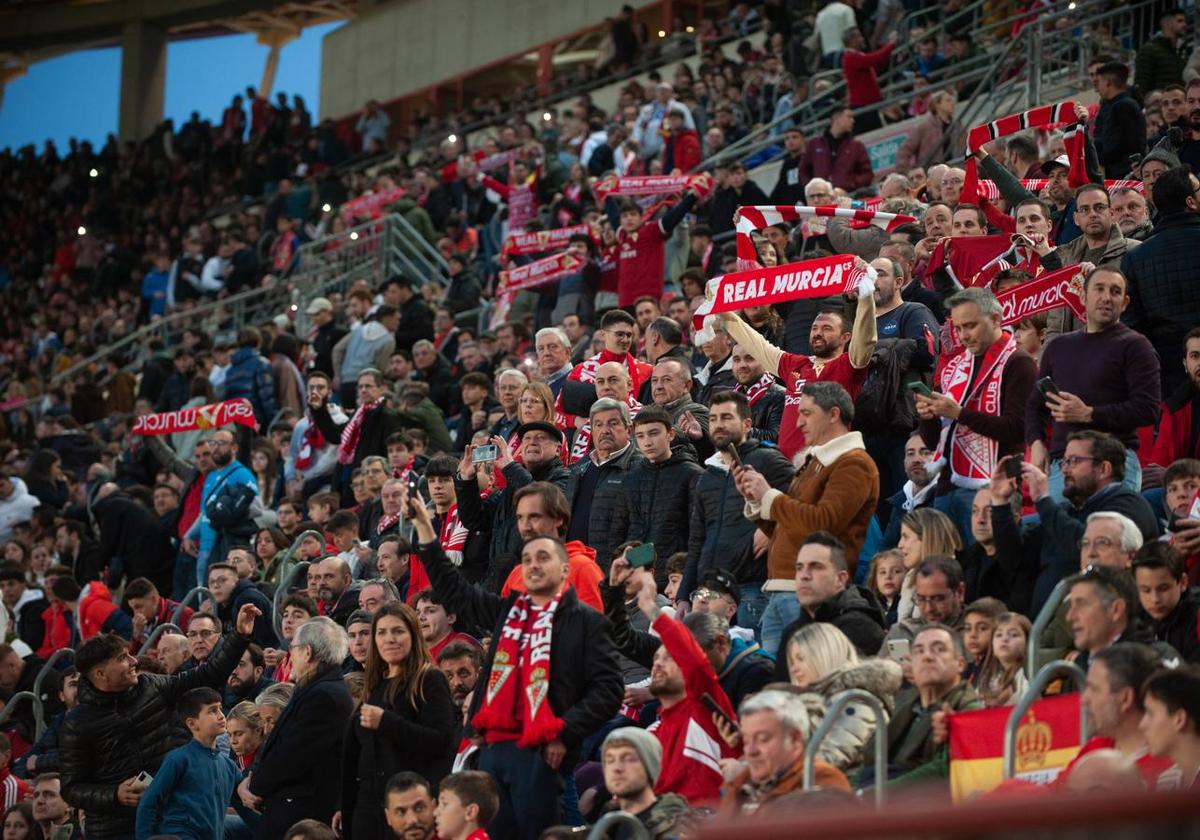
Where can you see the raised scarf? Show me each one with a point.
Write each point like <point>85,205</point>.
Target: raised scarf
<point>353,431</point>
<point>972,456</point>
<point>311,442</point>
<point>758,217</point>
<point>1043,116</point>
<point>515,704</point>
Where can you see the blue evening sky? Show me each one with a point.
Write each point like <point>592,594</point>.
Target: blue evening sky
<point>75,95</point>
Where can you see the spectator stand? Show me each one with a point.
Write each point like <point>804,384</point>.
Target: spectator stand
<point>35,695</point>
<point>202,591</point>
<point>375,249</point>
<point>1049,609</point>
<point>158,632</point>
<point>1056,43</point>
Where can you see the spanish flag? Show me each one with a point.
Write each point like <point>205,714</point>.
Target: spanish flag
<point>1047,740</point>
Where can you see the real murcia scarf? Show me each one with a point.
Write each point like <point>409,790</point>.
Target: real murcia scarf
<point>757,217</point>
<point>516,703</point>
<point>972,456</point>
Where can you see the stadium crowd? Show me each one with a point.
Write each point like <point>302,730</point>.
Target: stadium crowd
<point>499,570</point>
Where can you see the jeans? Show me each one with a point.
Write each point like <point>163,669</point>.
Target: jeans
<point>751,607</point>
<point>782,609</point>
<point>1132,480</point>
<point>957,505</point>
<point>530,792</point>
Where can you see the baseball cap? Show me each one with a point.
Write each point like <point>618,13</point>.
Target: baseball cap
<point>1061,160</point>
<point>318,304</point>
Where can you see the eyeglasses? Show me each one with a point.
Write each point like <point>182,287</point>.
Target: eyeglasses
<point>929,600</point>
<point>201,634</point>
<point>216,442</point>
<point>1075,460</point>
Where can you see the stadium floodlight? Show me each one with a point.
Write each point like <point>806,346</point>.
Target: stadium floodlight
<point>353,235</point>
<point>81,230</point>
<point>95,173</point>
<point>662,33</point>
<point>546,116</point>
<point>691,29</point>
<point>453,138</point>
<point>325,208</point>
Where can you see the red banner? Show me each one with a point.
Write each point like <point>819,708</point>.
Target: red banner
<point>211,416</point>
<point>371,205</point>
<point>1051,290</point>
<point>651,185</point>
<point>539,272</point>
<point>817,278</point>
<point>535,242</point>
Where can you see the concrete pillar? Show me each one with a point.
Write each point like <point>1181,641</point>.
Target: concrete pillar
<point>275,39</point>
<point>143,79</point>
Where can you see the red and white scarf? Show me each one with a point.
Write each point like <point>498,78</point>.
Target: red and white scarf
<point>210,416</point>
<point>1051,290</point>
<point>516,703</point>
<point>582,445</point>
<point>973,456</point>
<point>539,272</point>
<point>453,535</point>
<point>540,241</point>
<point>311,442</point>
<point>585,371</point>
<point>386,521</point>
<point>1043,116</point>
<point>651,185</point>
<point>758,217</point>
<point>817,278</point>
<point>353,431</point>
<point>755,392</point>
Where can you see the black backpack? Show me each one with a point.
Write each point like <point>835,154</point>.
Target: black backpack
<point>885,404</point>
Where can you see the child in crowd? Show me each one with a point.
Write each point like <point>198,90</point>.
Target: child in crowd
<point>675,564</point>
<point>1181,482</point>
<point>467,801</point>
<point>1001,681</point>
<point>979,620</point>
<point>192,790</point>
<point>885,577</point>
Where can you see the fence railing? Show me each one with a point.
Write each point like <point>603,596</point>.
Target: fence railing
<point>1058,668</point>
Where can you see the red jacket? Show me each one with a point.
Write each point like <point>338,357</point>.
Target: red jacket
<point>691,746</point>
<point>583,575</point>
<point>848,168</point>
<point>58,630</point>
<point>862,84</point>
<point>682,151</point>
<point>1175,429</point>
<point>94,609</point>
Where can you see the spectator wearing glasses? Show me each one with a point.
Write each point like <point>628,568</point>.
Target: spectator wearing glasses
<point>1093,464</point>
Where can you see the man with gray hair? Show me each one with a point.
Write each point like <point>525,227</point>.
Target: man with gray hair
<point>596,485</point>
<point>775,726</point>
<point>553,357</point>
<point>976,416</point>
<point>509,383</point>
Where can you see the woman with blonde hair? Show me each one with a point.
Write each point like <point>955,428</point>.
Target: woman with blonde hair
<point>244,725</point>
<point>924,533</point>
<point>823,662</point>
<point>406,721</point>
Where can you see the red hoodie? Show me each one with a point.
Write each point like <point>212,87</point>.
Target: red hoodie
<point>691,746</point>
<point>583,575</point>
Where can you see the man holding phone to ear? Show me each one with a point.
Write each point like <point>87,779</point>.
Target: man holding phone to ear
<point>977,415</point>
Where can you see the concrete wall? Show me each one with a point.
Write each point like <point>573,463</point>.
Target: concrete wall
<point>406,45</point>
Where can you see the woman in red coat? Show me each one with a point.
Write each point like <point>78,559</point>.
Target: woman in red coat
<point>682,147</point>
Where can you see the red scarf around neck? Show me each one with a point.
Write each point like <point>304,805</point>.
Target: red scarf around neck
<point>973,456</point>
<point>755,392</point>
<point>353,431</point>
<point>515,705</point>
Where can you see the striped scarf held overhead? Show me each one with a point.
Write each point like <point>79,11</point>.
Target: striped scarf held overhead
<point>750,219</point>
<point>1043,116</point>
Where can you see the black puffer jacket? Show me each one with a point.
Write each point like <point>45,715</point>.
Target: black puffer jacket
<point>720,536</point>
<point>767,413</point>
<point>109,738</point>
<point>659,500</point>
<point>855,611</point>
<point>607,514</point>
<point>498,514</point>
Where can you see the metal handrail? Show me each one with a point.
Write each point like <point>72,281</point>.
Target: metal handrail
<point>1057,668</point>
<point>155,635</point>
<point>6,712</point>
<point>291,549</point>
<point>838,704</point>
<point>1044,617</point>
<point>632,824</point>
<point>39,706</point>
<point>199,590</point>
<point>281,592</point>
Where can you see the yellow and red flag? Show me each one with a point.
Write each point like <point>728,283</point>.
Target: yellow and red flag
<point>1047,740</point>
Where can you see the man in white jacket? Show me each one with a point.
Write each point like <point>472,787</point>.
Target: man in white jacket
<point>16,503</point>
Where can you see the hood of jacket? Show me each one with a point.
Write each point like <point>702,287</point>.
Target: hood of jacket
<point>881,677</point>
<point>374,331</point>
<point>854,598</point>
